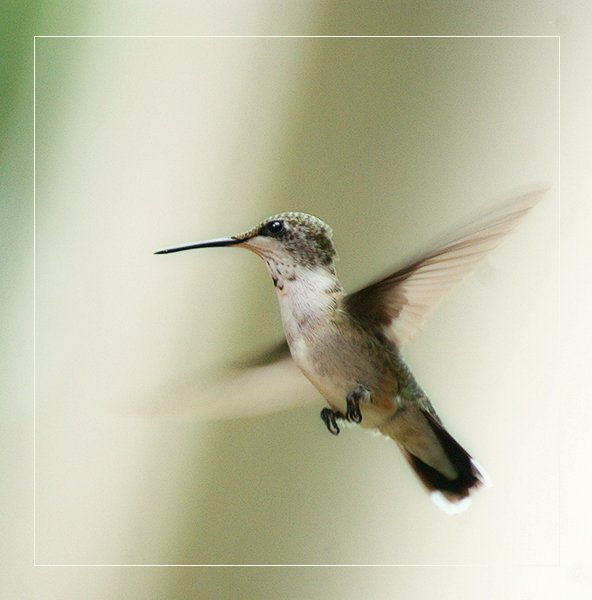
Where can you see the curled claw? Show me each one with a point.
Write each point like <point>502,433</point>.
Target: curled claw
<point>330,417</point>
<point>353,413</point>
<point>353,400</point>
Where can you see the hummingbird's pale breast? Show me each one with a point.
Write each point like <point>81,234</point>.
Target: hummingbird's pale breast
<point>336,354</point>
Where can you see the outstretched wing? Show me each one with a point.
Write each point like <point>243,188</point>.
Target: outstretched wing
<point>265,384</point>
<point>401,301</point>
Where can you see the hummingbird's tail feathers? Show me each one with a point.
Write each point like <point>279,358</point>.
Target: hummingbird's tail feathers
<point>444,467</point>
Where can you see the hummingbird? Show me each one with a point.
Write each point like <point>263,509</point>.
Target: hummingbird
<point>349,345</point>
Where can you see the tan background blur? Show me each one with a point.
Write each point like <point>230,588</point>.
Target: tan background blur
<point>143,143</point>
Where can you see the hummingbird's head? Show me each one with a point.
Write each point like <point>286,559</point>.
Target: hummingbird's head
<point>292,237</point>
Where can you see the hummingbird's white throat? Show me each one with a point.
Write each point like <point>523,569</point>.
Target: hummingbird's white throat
<point>307,292</point>
<point>306,299</point>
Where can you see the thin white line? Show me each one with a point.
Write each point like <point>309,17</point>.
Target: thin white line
<point>34,312</point>
<point>270,565</point>
<point>299,36</point>
<point>34,276</point>
<point>559,276</point>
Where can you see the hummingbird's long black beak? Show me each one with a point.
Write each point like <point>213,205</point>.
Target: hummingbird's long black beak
<point>208,244</point>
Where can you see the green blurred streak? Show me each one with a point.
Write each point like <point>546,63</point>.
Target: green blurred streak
<point>17,25</point>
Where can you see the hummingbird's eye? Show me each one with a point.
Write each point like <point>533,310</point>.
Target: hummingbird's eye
<point>275,227</point>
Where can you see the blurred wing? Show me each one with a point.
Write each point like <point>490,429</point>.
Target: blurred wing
<point>401,301</point>
<point>267,384</point>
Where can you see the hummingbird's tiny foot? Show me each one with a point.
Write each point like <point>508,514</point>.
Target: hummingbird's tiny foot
<point>353,400</point>
<point>330,417</point>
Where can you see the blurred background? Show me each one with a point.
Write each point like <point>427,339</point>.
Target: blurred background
<point>142,143</point>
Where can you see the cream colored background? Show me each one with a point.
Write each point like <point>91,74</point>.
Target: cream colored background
<point>143,143</point>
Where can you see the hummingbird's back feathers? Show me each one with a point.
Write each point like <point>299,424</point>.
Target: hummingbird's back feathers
<point>399,303</point>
